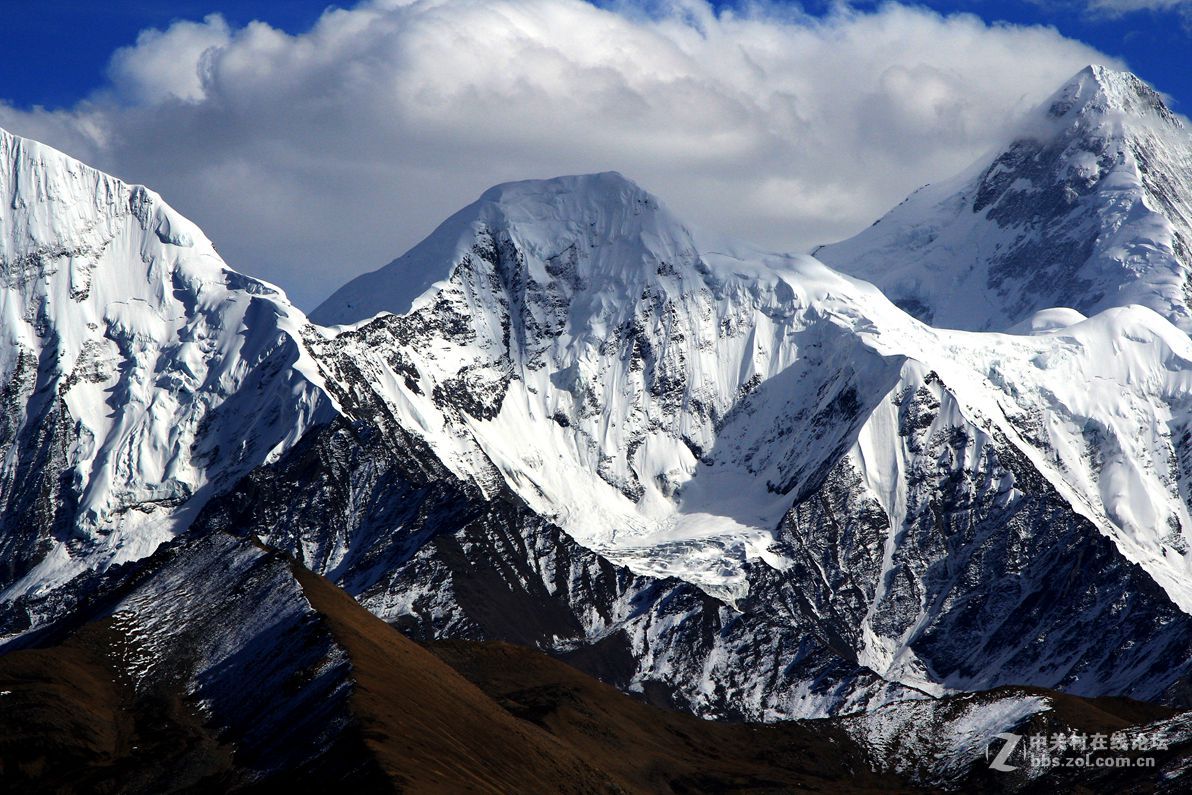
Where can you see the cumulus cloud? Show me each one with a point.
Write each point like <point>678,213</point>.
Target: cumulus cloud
<point>310,158</point>
<point>169,64</point>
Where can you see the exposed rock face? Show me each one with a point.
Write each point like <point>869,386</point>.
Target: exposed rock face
<point>438,560</point>
<point>1090,207</point>
<point>138,373</point>
<point>735,482</point>
<point>991,579</point>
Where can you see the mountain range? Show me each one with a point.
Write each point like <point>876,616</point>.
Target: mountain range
<point>934,476</point>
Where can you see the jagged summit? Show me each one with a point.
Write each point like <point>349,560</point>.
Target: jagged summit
<point>1089,206</point>
<point>819,503</point>
<point>51,199</point>
<point>129,354</point>
<point>60,219</point>
<point>776,434</point>
<point>1097,90</point>
<point>604,211</point>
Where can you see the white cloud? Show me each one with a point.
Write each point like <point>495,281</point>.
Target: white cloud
<point>1117,8</point>
<point>311,158</point>
<point>170,64</point>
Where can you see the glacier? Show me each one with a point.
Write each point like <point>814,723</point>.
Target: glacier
<point>141,374</point>
<point>743,483</point>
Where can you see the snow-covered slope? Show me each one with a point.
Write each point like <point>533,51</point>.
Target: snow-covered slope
<point>1089,207</point>
<point>790,441</point>
<point>737,482</point>
<point>668,406</point>
<point>577,346</point>
<point>137,371</point>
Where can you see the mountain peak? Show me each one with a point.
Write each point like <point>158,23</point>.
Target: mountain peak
<point>52,204</point>
<point>121,309</point>
<point>602,183</point>
<point>606,203</point>
<point>541,218</point>
<point>1086,207</point>
<point>1098,90</point>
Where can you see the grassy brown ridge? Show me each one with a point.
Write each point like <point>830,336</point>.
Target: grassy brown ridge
<point>649,749</point>
<point>71,721</point>
<point>528,723</point>
<point>429,728</point>
<point>456,716</point>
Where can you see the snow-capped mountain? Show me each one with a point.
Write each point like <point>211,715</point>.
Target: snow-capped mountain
<point>576,346</point>
<point>1089,207</point>
<point>139,373</point>
<point>219,664</point>
<point>732,481</point>
<point>669,406</point>
<point>777,434</point>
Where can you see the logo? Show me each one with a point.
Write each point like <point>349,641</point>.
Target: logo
<point>1003,756</point>
<point>1075,749</point>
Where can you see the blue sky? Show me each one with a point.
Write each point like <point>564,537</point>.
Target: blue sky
<point>54,52</point>
<point>313,146</point>
<point>1156,44</point>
